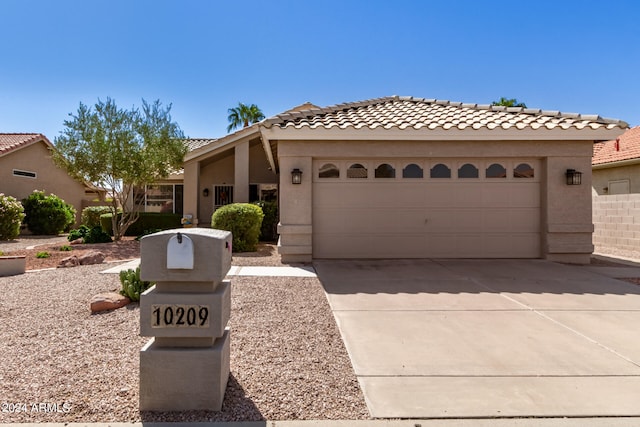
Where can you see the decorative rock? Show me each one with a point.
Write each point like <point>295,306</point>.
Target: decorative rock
<point>92,257</point>
<point>78,241</point>
<point>108,301</point>
<point>70,261</point>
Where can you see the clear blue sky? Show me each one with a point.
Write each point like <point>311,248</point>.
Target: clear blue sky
<point>206,56</point>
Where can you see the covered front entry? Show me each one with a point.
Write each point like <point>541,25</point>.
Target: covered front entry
<point>426,208</point>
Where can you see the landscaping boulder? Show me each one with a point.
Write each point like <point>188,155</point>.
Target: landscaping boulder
<point>108,301</point>
<point>70,261</point>
<point>92,257</point>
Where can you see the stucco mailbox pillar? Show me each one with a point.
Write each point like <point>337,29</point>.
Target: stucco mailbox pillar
<point>186,363</point>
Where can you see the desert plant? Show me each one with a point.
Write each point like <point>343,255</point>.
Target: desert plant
<point>65,248</point>
<point>11,216</point>
<point>44,254</point>
<point>269,228</point>
<point>48,215</point>
<point>132,286</point>
<point>243,220</point>
<point>91,215</point>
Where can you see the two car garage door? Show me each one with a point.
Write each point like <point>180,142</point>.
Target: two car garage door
<point>431,208</point>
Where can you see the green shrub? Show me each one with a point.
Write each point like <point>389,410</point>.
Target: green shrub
<point>269,228</point>
<point>132,286</point>
<point>43,255</point>
<point>11,216</point>
<point>65,248</point>
<point>89,235</point>
<point>91,215</point>
<point>146,221</point>
<point>48,215</point>
<point>243,220</point>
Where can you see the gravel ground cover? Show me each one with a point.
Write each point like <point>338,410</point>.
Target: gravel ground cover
<point>62,364</point>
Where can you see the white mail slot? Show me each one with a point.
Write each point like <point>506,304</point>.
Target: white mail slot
<point>180,252</point>
<point>179,316</point>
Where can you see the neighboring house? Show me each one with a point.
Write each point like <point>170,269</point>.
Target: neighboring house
<point>26,165</point>
<point>616,195</point>
<point>616,164</point>
<point>403,177</point>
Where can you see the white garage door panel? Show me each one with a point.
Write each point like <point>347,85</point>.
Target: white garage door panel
<point>426,218</point>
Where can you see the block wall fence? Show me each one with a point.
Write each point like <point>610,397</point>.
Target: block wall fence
<point>616,221</point>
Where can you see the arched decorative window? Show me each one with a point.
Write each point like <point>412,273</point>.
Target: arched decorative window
<point>468,171</point>
<point>496,170</point>
<point>329,170</point>
<point>440,171</point>
<point>385,170</point>
<point>523,170</point>
<point>357,170</point>
<point>412,171</point>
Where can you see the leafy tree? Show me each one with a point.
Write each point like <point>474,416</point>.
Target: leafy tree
<point>121,149</point>
<point>244,115</point>
<point>509,102</point>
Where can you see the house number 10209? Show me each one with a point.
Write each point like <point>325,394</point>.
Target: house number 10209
<point>179,316</point>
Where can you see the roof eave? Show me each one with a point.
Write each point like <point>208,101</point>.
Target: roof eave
<point>439,134</point>
<point>618,163</point>
<point>228,140</point>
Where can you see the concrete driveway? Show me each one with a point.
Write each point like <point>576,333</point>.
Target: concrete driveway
<point>487,338</point>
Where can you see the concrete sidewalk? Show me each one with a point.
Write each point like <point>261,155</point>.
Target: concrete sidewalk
<point>267,271</point>
<point>488,338</point>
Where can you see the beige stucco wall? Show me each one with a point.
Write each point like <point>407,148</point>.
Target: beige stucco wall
<point>566,210</point>
<point>616,222</point>
<point>50,178</point>
<point>603,176</point>
<point>251,165</point>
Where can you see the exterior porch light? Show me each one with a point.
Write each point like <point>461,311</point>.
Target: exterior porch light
<point>573,177</point>
<point>296,176</point>
<point>205,192</point>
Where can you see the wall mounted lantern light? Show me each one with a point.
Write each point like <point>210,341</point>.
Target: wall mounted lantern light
<point>205,192</point>
<point>573,177</point>
<point>296,176</point>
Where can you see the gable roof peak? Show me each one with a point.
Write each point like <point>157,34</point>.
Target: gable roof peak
<point>14,141</point>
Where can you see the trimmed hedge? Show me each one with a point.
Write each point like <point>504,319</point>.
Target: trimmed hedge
<point>91,215</point>
<point>11,216</point>
<point>243,220</point>
<point>48,215</point>
<point>146,221</point>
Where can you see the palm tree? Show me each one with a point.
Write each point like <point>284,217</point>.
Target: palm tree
<point>243,114</point>
<point>509,102</point>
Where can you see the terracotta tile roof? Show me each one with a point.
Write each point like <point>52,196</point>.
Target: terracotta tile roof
<point>409,112</point>
<point>625,147</point>
<point>195,143</point>
<point>13,141</point>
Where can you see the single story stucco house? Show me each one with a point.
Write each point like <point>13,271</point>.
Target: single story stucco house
<point>26,165</point>
<point>404,177</point>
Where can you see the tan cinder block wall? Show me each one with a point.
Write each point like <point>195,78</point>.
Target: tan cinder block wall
<point>565,211</point>
<point>50,178</point>
<point>601,178</point>
<point>616,221</point>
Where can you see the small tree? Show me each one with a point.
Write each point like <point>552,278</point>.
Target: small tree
<point>121,150</point>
